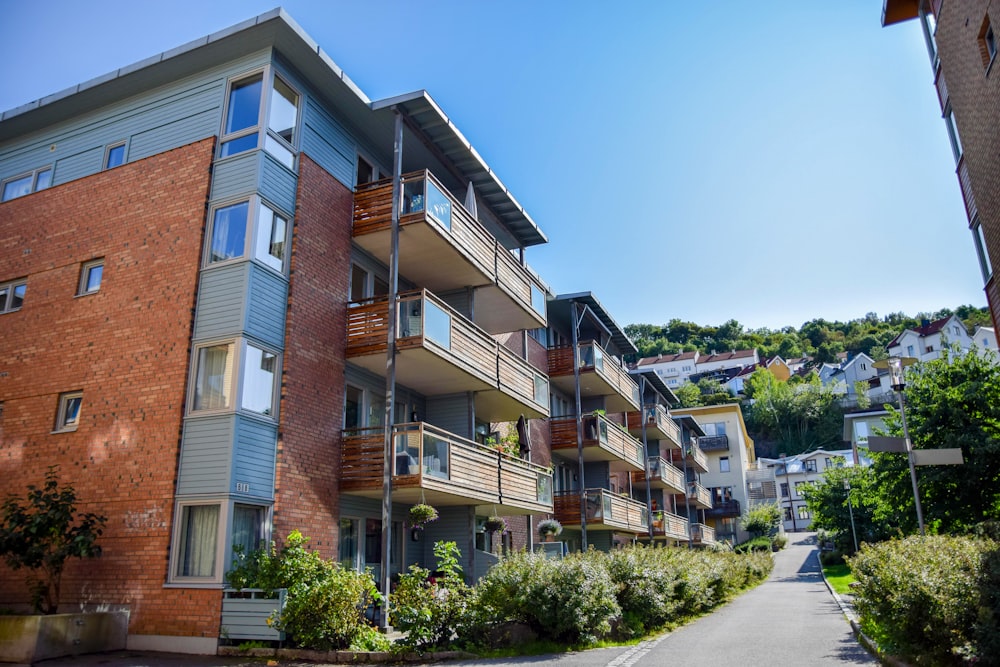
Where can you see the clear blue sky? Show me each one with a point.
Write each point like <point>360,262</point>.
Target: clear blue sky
<point>769,162</point>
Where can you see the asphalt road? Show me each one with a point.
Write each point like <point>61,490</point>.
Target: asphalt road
<point>791,619</point>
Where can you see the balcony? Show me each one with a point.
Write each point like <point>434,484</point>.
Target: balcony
<point>603,440</point>
<point>693,457</point>
<point>698,496</point>
<point>662,475</point>
<point>440,352</point>
<point>714,443</point>
<point>443,248</point>
<point>702,534</point>
<point>723,508</point>
<point>669,526</point>
<point>659,425</point>
<point>605,511</point>
<point>600,375</point>
<point>442,469</point>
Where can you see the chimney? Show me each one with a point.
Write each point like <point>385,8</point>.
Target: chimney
<point>924,323</point>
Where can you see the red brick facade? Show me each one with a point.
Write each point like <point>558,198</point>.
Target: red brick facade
<point>974,93</point>
<point>312,389</point>
<point>127,348</point>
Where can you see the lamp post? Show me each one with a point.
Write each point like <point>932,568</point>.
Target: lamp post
<point>895,366</point>
<point>850,510</point>
<point>791,500</point>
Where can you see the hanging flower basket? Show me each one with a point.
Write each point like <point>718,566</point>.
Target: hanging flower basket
<point>549,528</point>
<point>421,514</point>
<point>495,524</point>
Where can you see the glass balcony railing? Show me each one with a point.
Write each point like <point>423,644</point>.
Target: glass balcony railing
<point>604,511</point>
<point>605,375</point>
<point>603,440</point>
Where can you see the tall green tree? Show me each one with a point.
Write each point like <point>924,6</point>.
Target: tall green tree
<point>827,500</point>
<point>950,402</point>
<point>794,417</point>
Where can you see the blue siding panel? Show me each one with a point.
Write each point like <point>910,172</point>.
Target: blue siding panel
<point>254,456</point>
<point>221,309</point>
<point>278,183</point>
<point>206,449</point>
<point>236,176</point>
<point>266,306</point>
<point>77,166</point>
<point>450,413</point>
<point>327,142</point>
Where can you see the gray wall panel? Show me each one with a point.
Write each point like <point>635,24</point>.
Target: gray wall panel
<point>450,413</point>
<point>206,447</point>
<point>77,166</point>
<point>172,135</point>
<point>221,301</point>
<point>327,142</point>
<point>253,459</point>
<point>266,306</point>
<point>236,176</point>
<point>277,183</point>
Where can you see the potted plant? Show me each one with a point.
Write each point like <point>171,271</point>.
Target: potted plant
<point>549,528</point>
<point>495,524</point>
<point>422,514</point>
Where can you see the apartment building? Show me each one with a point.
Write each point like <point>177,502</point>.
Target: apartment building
<point>234,291</point>
<point>962,39</point>
<point>729,454</point>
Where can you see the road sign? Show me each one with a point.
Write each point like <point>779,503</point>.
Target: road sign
<point>937,457</point>
<point>879,443</point>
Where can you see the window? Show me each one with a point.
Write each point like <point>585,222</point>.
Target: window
<point>114,156</point>
<point>798,488</point>
<point>197,542</point>
<point>244,106</point>
<point>215,385</point>
<point>723,464</point>
<point>810,465</point>
<point>25,184</point>
<point>363,408</point>
<point>12,295</point>
<point>784,491</point>
<point>714,429</point>
<point>987,43</point>
<point>90,277</point>
<point>259,367</point>
<point>956,142</point>
<point>366,284</point>
<point>985,265</point>
<point>248,526</point>
<point>349,554</point>
<point>909,350</point>
<point>233,225</point>
<point>213,388</point>
<point>788,514</point>
<point>68,415</point>
<point>827,462</point>
<point>803,513</point>
<point>366,173</point>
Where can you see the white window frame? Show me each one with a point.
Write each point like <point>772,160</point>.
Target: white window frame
<point>377,173</point>
<point>982,251</point>
<point>107,155</point>
<point>724,464</point>
<point>262,128</point>
<point>251,235</point>
<point>223,538</point>
<point>953,136</point>
<point>10,287</point>
<point>237,383</point>
<point>63,423</point>
<point>85,270</point>
<point>34,174</point>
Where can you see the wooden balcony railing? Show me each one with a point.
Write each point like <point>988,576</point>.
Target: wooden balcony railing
<point>605,511</point>
<point>701,497</point>
<point>659,425</point>
<point>432,463</point>
<point>702,534</point>
<point>615,383</point>
<point>603,440</point>
<point>465,254</point>
<point>695,458</point>
<point>670,525</point>
<point>432,342</point>
<point>662,475</point>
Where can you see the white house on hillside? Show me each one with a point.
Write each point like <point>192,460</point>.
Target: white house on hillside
<point>726,360</point>
<point>985,338</point>
<point>673,369</point>
<point>926,341</point>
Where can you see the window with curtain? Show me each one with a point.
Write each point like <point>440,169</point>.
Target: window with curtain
<point>271,231</point>
<point>229,232</point>
<point>248,527</point>
<point>198,541</point>
<point>214,377</point>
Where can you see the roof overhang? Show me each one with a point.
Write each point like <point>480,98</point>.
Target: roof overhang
<point>658,385</point>
<point>690,422</point>
<point>897,11</point>
<point>559,309</point>
<point>276,30</point>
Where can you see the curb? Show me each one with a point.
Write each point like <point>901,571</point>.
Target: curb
<point>345,657</point>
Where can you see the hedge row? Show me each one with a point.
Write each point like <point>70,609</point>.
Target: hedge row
<point>933,600</point>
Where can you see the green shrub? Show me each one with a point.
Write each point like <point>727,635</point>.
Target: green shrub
<point>762,543</point>
<point>577,604</point>
<point>834,557</point>
<point>779,541</point>
<point>930,597</point>
<point>647,581</point>
<point>325,604</point>
<point>431,613</point>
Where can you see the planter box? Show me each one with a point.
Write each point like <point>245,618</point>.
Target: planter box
<point>28,639</point>
<point>245,614</point>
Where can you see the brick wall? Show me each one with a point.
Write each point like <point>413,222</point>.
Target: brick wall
<point>312,388</point>
<point>127,348</point>
<point>975,100</point>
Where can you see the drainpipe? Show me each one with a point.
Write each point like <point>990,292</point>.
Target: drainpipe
<point>390,363</point>
<point>577,316</point>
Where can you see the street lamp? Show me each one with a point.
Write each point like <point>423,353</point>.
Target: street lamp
<point>850,510</point>
<point>895,366</point>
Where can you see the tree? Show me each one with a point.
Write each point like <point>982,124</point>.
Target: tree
<point>689,395</point>
<point>42,534</point>
<point>950,402</point>
<point>761,519</point>
<point>795,418</point>
<point>827,500</point>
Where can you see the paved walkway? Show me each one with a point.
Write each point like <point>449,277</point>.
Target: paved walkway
<point>791,619</point>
